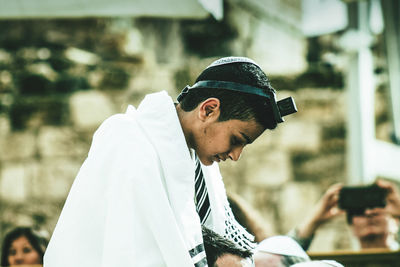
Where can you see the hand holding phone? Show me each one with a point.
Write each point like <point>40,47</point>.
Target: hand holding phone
<point>392,198</point>
<point>357,199</point>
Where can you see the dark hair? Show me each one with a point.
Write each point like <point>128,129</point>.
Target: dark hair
<point>38,242</point>
<point>351,213</point>
<point>217,246</point>
<point>235,105</point>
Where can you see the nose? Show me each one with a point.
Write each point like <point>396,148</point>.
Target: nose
<point>235,153</point>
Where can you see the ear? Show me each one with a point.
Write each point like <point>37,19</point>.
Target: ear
<point>209,109</point>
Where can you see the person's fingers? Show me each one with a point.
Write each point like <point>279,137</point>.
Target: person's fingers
<point>334,188</point>
<point>332,193</point>
<point>335,211</point>
<point>386,185</point>
<point>374,211</point>
<point>323,209</point>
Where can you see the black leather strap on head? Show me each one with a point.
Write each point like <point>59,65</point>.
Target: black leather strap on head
<point>279,108</point>
<point>243,88</point>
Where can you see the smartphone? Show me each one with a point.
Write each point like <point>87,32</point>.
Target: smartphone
<point>359,198</point>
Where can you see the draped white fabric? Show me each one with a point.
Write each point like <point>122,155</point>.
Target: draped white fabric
<point>132,201</point>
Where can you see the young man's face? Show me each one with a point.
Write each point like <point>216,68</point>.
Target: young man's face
<point>215,140</point>
<point>225,140</point>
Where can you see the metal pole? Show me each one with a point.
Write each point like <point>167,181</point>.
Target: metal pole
<point>360,88</point>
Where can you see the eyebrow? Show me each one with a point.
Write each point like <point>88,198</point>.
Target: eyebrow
<point>248,140</point>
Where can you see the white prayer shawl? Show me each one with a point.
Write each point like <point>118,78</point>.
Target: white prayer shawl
<point>132,202</point>
<point>222,220</point>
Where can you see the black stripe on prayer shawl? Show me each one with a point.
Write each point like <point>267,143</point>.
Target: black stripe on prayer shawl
<point>202,201</point>
<point>196,250</point>
<point>202,263</point>
<point>204,210</point>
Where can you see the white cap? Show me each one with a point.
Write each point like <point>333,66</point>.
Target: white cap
<point>322,263</point>
<point>229,60</point>
<point>282,245</point>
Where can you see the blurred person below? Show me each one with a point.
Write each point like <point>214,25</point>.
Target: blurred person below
<point>373,227</point>
<point>23,246</point>
<point>283,251</point>
<point>221,252</point>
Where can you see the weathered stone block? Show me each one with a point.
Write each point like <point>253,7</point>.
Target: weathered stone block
<point>4,126</point>
<point>268,169</point>
<point>300,135</point>
<point>43,69</point>
<point>15,180</point>
<point>321,105</point>
<point>6,80</point>
<point>19,145</point>
<point>89,109</point>
<point>133,44</point>
<point>60,141</point>
<point>261,164</point>
<point>55,178</point>
<point>82,56</point>
<point>31,113</point>
<point>153,81</point>
<point>114,78</point>
<point>5,57</point>
<point>296,201</point>
<point>262,200</point>
<point>333,235</point>
<point>330,167</point>
<point>283,54</point>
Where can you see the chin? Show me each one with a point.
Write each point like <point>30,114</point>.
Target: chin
<point>207,162</point>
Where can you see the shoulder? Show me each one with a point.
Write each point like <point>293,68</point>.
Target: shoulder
<point>118,124</point>
<point>121,132</point>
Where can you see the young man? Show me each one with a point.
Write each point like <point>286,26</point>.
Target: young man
<point>141,196</point>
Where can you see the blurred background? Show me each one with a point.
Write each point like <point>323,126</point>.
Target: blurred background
<point>65,66</point>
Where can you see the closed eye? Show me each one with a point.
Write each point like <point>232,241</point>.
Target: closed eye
<point>27,250</point>
<point>12,252</point>
<point>236,141</point>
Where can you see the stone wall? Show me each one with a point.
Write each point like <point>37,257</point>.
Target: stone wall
<point>59,79</point>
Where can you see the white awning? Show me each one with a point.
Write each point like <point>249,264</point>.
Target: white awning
<point>20,9</point>
<point>323,16</point>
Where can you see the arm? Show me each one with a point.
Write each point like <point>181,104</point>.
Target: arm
<point>325,209</point>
